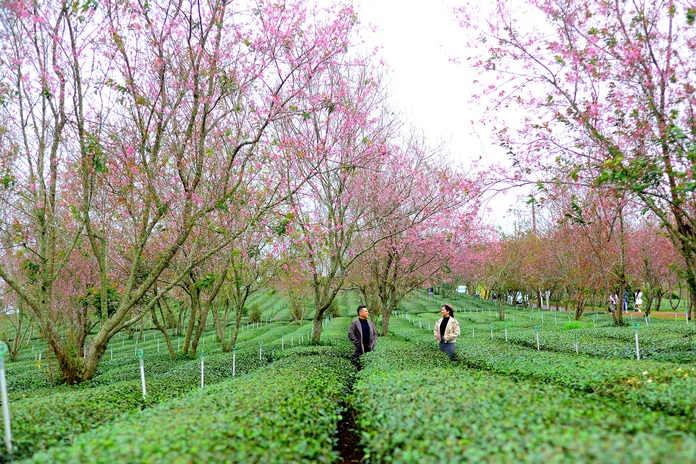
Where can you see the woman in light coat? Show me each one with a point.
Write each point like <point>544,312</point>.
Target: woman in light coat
<point>447,330</point>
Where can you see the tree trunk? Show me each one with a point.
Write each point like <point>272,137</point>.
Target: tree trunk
<point>385,322</point>
<point>164,331</point>
<point>195,307</point>
<point>321,303</point>
<point>579,307</point>
<point>22,331</point>
<point>168,318</point>
<point>237,323</point>
<point>618,314</point>
<point>647,306</point>
<point>205,309</point>
<point>220,323</point>
<point>317,326</point>
<point>91,360</point>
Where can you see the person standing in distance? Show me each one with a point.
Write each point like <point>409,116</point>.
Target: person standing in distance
<point>362,332</point>
<point>447,330</point>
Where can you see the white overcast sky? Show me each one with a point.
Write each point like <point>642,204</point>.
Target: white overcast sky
<point>418,39</point>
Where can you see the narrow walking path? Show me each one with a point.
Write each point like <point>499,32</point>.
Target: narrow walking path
<point>348,443</point>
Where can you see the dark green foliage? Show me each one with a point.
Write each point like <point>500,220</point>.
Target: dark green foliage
<point>334,309</point>
<point>41,422</point>
<point>255,313</point>
<point>415,406</point>
<point>286,412</point>
<point>665,386</point>
<point>501,401</point>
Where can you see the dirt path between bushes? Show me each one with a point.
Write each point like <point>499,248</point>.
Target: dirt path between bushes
<point>348,443</point>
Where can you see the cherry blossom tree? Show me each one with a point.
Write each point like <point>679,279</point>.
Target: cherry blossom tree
<point>606,94</point>
<point>338,144</point>
<point>422,214</point>
<point>655,262</point>
<point>252,265</point>
<point>295,280</point>
<point>126,126</point>
<point>601,218</point>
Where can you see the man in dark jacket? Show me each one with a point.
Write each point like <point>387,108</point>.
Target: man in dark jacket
<point>362,332</point>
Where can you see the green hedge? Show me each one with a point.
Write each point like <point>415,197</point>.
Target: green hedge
<point>44,416</point>
<point>42,422</point>
<point>286,412</point>
<point>659,341</point>
<point>670,387</point>
<point>414,406</point>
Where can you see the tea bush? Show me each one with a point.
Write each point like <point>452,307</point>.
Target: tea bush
<point>415,406</point>
<point>670,387</point>
<point>286,412</point>
<point>41,422</point>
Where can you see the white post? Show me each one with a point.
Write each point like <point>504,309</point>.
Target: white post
<point>234,360</point>
<point>5,405</point>
<point>142,372</point>
<point>202,367</point>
